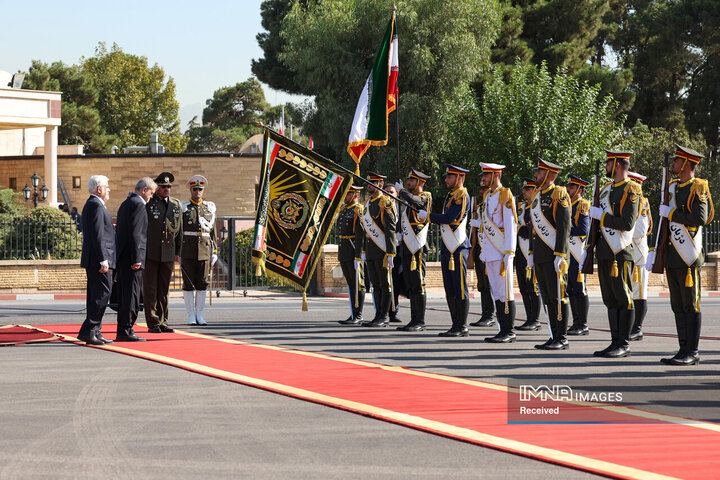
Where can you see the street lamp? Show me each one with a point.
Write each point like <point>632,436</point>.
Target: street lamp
<point>27,193</point>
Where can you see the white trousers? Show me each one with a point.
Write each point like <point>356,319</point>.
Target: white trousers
<point>640,288</point>
<point>500,287</point>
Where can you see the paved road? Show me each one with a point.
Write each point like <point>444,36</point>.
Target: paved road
<point>71,412</point>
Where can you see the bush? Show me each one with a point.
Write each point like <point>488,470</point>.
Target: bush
<point>42,233</point>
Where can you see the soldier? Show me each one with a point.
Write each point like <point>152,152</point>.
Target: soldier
<point>199,248</point>
<point>487,317</point>
<point>164,243</point>
<point>413,246</point>
<point>690,209</point>
<point>379,219</point>
<point>580,227</point>
<point>454,249</point>
<point>498,220</point>
<point>617,213</point>
<point>643,228</point>
<point>528,287</point>
<point>349,226</point>
<point>549,245</point>
<point>397,272</point>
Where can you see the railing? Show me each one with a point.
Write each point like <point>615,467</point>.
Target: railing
<point>23,238</point>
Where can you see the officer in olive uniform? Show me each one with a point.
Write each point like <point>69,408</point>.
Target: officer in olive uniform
<point>690,209</point>
<point>380,220</point>
<point>643,229</point>
<point>413,246</point>
<point>528,288</point>
<point>349,225</point>
<point>454,249</point>
<point>617,213</point>
<point>487,316</point>
<point>549,245</point>
<point>164,244</point>
<point>199,248</point>
<point>577,293</point>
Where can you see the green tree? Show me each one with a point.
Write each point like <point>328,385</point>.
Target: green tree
<point>134,98</point>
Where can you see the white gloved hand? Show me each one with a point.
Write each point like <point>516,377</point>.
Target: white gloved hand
<point>508,259</point>
<point>398,186</point>
<point>596,212</point>
<point>665,211</point>
<point>213,259</point>
<point>531,261</point>
<point>422,214</point>
<point>391,261</point>
<point>557,262</point>
<point>650,261</point>
<point>362,256</point>
<point>399,236</point>
<point>476,222</point>
<point>356,263</point>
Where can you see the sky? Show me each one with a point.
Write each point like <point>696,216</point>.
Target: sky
<point>202,45</point>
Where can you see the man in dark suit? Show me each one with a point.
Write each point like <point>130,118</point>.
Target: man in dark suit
<point>131,239</point>
<point>98,257</point>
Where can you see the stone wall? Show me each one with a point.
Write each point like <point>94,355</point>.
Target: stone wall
<point>27,276</point>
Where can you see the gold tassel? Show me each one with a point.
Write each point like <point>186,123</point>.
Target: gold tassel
<point>580,277</point>
<point>451,263</point>
<point>614,269</point>
<point>357,169</point>
<point>304,304</point>
<point>535,278</point>
<point>413,264</point>
<point>385,262</point>
<point>636,274</point>
<point>502,269</point>
<point>528,272</point>
<point>689,278</point>
<point>260,265</point>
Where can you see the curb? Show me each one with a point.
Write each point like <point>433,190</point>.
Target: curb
<point>663,294</point>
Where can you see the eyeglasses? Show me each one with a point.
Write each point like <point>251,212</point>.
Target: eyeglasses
<point>195,189</point>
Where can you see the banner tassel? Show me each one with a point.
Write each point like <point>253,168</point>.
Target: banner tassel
<point>689,278</point>
<point>304,303</point>
<point>614,269</point>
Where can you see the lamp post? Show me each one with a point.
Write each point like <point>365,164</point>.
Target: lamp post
<point>27,193</point>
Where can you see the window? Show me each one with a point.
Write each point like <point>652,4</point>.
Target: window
<point>76,182</point>
<point>12,183</point>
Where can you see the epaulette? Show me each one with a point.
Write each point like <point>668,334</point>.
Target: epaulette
<point>459,195</point>
<point>184,205</point>
<point>701,189</point>
<point>560,195</point>
<point>674,180</point>
<point>427,195</point>
<point>387,204</point>
<point>505,196</point>
<point>210,206</point>
<point>583,206</point>
<point>634,187</point>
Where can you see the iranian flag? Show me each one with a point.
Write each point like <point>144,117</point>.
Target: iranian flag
<point>378,99</point>
<point>299,263</point>
<point>331,185</point>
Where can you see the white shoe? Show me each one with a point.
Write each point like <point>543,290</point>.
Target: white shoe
<point>190,307</point>
<point>200,306</point>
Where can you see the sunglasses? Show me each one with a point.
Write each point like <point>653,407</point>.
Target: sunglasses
<point>195,189</point>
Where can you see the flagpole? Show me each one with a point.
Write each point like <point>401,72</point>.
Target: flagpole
<point>397,107</point>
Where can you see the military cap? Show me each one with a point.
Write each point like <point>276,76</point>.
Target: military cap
<point>637,177</point>
<point>421,177</point>
<point>529,183</point>
<point>197,181</point>
<point>688,154</point>
<point>165,178</point>
<point>545,165</point>
<point>455,170</point>
<point>574,180</point>
<point>491,167</point>
<point>619,156</point>
<point>356,188</point>
<point>375,177</point>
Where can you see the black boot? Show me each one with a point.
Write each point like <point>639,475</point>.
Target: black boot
<point>580,315</point>
<point>381,316</point>
<point>559,341</point>
<point>622,345</point>
<point>680,327</point>
<point>488,311</point>
<point>463,308</point>
<point>356,318</point>
<point>417,314</point>
<point>532,311</point>
<point>688,354</point>
<point>640,311</point>
<point>613,322</point>
<point>452,306</point>
<point>505,320</point>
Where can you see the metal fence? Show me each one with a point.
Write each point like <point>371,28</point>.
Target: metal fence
<point>25,238</point>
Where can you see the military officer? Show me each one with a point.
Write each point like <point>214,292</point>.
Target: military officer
<point>454,249</point>
<point>487,317</point>
<point>643,228</point>
<point>549,245</point>
<point>379,220</point>
<point>498,220</point>
<point>690,209</point>
<point>199,248</point>
<point>617,213</point>
<point>528,288</point>
<point>349,225</point>
<point>413,246</point>
<point>164,244</point>
<point>580,227</point>
<point>398,276</point>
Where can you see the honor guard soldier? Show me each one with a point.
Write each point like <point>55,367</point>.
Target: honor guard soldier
<point>617,213</point>
<point>413,245</point>
<point>499,240</point>
<point>643,228</point>
<point>349,225</point>
<point>164,244</point>
<point>549,245</point>
<point>199,249</point>
<point>579,230</point>
<point>398,277</point>
<point>528,287</point>
<point>379,220</point>
<point>454,249</point>
<point>487,317</point>
<point>690,209</point>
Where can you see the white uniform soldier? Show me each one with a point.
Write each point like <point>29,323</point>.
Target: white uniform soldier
<point>643,228</point>
<point>499,241</point>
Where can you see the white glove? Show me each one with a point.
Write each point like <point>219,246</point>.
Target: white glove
<point>391,261</point>
<point>650,261</point>
<point>476,222</point>
<point>398,236</point>
<point>596,212</point>
<point>362,256</point>
<point>398,186</point>
<point>557,262</point>
<point>357,263</point>
<point>422,214</point>
<point>665,211</point>
<point>213,259</point>
<point>508,259</point>
<point>531,261</point>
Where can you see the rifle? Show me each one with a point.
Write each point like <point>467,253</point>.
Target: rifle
<point>589,264</point>
<point>662,235</point>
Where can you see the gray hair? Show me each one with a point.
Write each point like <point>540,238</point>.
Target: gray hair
<point>97,181</point>
<point>145,182</point>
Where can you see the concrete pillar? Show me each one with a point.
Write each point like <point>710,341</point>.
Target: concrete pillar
<point>51,177</point>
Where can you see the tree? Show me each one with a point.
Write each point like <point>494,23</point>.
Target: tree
<point>134,98</point>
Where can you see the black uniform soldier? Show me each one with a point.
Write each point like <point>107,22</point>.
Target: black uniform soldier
<point>617,213</point>
<point>528,288</point>
<point>643,228</point>
<point>349,225</point>
<point>690,209</point>
<point>487,317</point>
<point>398,275</point>
<point>379,219</point>
<point>413,246</point>
<point>199,248</point>
<point>577,293</point>
<point>549,246</point>
<point>164,243</point>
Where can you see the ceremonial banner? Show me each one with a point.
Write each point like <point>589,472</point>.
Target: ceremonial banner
<point>300,192</point>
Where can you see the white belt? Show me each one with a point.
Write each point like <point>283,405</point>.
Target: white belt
<point>197,234</point>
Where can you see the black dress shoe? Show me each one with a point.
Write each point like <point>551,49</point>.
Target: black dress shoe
<point>412,327</point>
<point>166,329</point>
<point>617,352</point>
<point>378,322</point>
<point>686,358</point>
<point>351,321</point>
<point>487,322</point>
<point>530,325</point>
<point>455,332</point>
<point>395,320</point>
<point>129,338</point>
<point>154,329</point>
<point>90,339</point>
<point>636,335</point>
<point>578,330</point>
<point>554,345</point>
<point>601,353</point>
<point>502,338</point>
<point>100,337</point>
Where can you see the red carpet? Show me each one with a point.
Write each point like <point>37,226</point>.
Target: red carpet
<point>17,335</point>
<point>646,445</point>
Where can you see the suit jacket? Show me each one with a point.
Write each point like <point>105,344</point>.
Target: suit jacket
<point>131,234</point>
<point>98,235</point>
